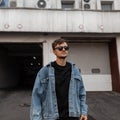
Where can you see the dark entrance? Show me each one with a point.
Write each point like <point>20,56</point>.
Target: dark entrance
<point>20,63</point>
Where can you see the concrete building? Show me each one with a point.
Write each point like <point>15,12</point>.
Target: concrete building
<point>92,27</point>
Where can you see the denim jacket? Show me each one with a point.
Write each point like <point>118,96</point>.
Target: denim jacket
<point>44,101</point>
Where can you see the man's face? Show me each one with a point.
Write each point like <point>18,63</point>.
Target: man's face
<point>61,50</point>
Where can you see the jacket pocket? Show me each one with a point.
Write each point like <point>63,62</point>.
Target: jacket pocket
<point>43,87</point>
<point>78,77</point>
<point>44,81</point>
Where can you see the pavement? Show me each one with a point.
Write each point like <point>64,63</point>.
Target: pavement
<point>103,105</point>
<point>15,105</point>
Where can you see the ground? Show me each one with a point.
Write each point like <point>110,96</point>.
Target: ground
<point>15,105</point>
<point>104,105</point>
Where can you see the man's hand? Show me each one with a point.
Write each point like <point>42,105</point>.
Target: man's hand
<point>83,117</point>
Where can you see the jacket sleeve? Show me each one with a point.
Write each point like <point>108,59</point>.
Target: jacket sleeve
<point>82,96</point>
<point>35,109</point>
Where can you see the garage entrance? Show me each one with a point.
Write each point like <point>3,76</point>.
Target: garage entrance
<point>94,63</point>
<point>97,59</point>
<point>19,64</point>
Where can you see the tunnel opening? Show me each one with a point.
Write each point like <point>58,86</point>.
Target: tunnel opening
<point>19,64</point>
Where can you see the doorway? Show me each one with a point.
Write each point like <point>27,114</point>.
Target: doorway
<point>20,63</point>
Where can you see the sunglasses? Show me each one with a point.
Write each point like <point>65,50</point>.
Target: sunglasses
<point>60,48</point>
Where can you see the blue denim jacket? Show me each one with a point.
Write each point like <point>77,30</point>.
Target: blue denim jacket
<point>44,101</point>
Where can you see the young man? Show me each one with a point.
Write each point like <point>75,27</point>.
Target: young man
<point>58,92</point>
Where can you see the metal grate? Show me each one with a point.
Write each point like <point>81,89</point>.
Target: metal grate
<point>95,70</point>
<point>13,4</point>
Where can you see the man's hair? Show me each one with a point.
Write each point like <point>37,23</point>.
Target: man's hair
<point>58,42</point>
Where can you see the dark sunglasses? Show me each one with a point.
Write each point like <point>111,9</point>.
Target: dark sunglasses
<point>60,48</point>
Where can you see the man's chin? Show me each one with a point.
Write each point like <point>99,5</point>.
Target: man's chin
<point>62,57</point>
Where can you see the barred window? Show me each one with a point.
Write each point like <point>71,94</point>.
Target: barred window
<point>107,5</point>
<point>67,4</point>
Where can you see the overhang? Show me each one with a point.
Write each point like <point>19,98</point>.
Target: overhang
<point>57,20</point>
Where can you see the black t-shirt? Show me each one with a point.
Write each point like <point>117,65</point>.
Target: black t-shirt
<point>62,80</point>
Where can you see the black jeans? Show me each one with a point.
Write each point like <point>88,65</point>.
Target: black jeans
<point>68,118</point>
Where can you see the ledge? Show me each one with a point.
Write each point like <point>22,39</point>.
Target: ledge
<point>57,20</point>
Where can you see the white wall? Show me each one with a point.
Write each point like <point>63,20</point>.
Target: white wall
<point>48,55</point>
<point>22,37</point>
<point>92,55</point>
<point>97,82</point>
<point>33,20</point>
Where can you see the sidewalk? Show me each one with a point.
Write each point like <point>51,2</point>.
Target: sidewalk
<point>104,105</point>
<point>15,105</point>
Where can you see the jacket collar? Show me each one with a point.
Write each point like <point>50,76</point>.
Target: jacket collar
<point>49,64</point>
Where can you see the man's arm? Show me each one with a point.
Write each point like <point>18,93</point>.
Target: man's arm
<point>35,110</point>
<point>83,105</point>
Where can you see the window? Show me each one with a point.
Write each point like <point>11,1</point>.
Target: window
<point>4,3</point>
<point>67,4</point>
<point>107,5</point>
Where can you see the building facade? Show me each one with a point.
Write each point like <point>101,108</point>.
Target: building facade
<point>92,28</point>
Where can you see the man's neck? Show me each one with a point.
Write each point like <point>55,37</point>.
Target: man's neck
<point>61,62</point>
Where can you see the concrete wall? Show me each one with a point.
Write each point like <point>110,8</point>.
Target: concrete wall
<point>48,55</point>
<point>32,20</point>
<point>90,55</point>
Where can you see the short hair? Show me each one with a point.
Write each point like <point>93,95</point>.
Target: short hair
<point>58,42</point>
